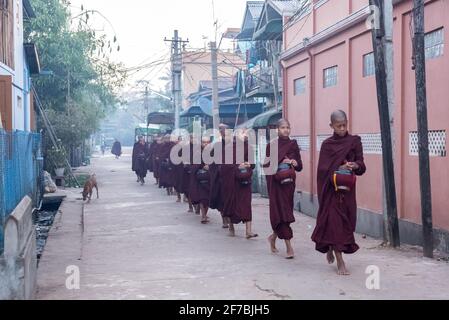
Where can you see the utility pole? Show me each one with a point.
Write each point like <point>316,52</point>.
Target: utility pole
<point>215,103</point>
<point>419,65</point>
<point>146,103</point>
<point>389,67</point>
<point>176,69</point>
<point>378,38</point>
<point>275,73</point>
<point>147,108</point>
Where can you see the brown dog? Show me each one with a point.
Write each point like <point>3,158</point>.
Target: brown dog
<point>89,186</point>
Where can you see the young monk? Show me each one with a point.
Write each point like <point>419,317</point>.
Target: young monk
<point>179,175</point>
<point>166,171</point>
<point>150,155</point>
<point>337,214</point>
<point>155,157</point>
<point>139,159</point>
<point>216,192</point>
<point>281,196</point>
<point>238,196</point>
<point>201,189</point>
<point>187,174</point>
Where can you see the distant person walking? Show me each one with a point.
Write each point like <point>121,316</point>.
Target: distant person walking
<point>117,149</point>
<point>103,148</point>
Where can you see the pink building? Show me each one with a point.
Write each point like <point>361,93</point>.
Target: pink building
<point>328,64</point>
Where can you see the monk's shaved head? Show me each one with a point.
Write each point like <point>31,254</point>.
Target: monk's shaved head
<point>338,115</point>
<point>282,122</point>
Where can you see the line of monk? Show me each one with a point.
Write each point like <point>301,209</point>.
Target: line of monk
<point>225,185</point>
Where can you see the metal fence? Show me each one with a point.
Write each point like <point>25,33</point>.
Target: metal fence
<point>21,166</point>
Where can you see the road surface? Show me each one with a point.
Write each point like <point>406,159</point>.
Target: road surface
<point>135,242</point>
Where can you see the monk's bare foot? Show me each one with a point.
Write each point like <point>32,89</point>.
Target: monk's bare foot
<point>341,270</point>
<point>231,231</point>
<point>341,267</point>
<point>272,241</point>
<point>290,255</point>
<point>225,226</point>
<point>190,210</point>
<point>251,235</point>
<point>330,257</point>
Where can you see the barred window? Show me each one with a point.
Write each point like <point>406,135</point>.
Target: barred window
<point>3,5</point>
<point>300,86</point>
<point>330,77</point>
<point>368,65</point>
<point>434,43</point>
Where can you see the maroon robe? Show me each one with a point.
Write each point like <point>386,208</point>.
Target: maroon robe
<point>150,163</point>
<point>179,175</point>
<point>198,193</point>
<point>186,174</point>
<point>166,172</point>
<point>139,159</point>
<point>282,196</point>
<point>216,198</point>
<point>156,163</point>
<point>337,215</point>
<point>236,197</point>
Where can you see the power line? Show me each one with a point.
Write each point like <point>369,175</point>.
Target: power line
<point>299,31</point>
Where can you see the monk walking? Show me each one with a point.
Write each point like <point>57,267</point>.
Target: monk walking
<point>337,214</point>
<point>139,159</point>
<point>200,185</point>
<point>155,157</point>
<point>236,180</point>
<point>281,187</point>
<point>216,189</point>
<point>166,167</point>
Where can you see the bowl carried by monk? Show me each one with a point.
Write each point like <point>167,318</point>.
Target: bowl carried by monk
<point>343,180</point>
<point>165,164</point>
<point>187,169</point>
<point>244,175</point>
<point>285,174</point>
<point>203,176</point>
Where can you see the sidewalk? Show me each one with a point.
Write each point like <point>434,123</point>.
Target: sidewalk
<point>135,242</point>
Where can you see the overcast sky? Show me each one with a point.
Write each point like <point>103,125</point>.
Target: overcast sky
<point>141,25</point>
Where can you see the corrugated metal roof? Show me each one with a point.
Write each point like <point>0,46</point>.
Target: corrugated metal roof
<point>286,6</point>
<point>223,83</point>
<point>255,8</point>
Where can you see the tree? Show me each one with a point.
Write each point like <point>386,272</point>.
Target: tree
<point>84,83</point>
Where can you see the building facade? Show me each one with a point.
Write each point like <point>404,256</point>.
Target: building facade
<point>18,61</point>
<point>328,64</point>
<point>20,161</point>
<point>196,67</point>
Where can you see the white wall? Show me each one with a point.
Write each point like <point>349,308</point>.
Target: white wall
<point>20,94</point>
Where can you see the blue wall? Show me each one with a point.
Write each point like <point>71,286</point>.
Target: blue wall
<point>20,171</point>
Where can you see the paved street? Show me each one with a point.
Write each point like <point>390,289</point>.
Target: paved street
<point>135,242</point>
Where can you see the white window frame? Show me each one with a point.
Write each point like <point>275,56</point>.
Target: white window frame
<point>302,80</point>
<point>330,78</point>
<point>369,67</point>
<point>434,43</point>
